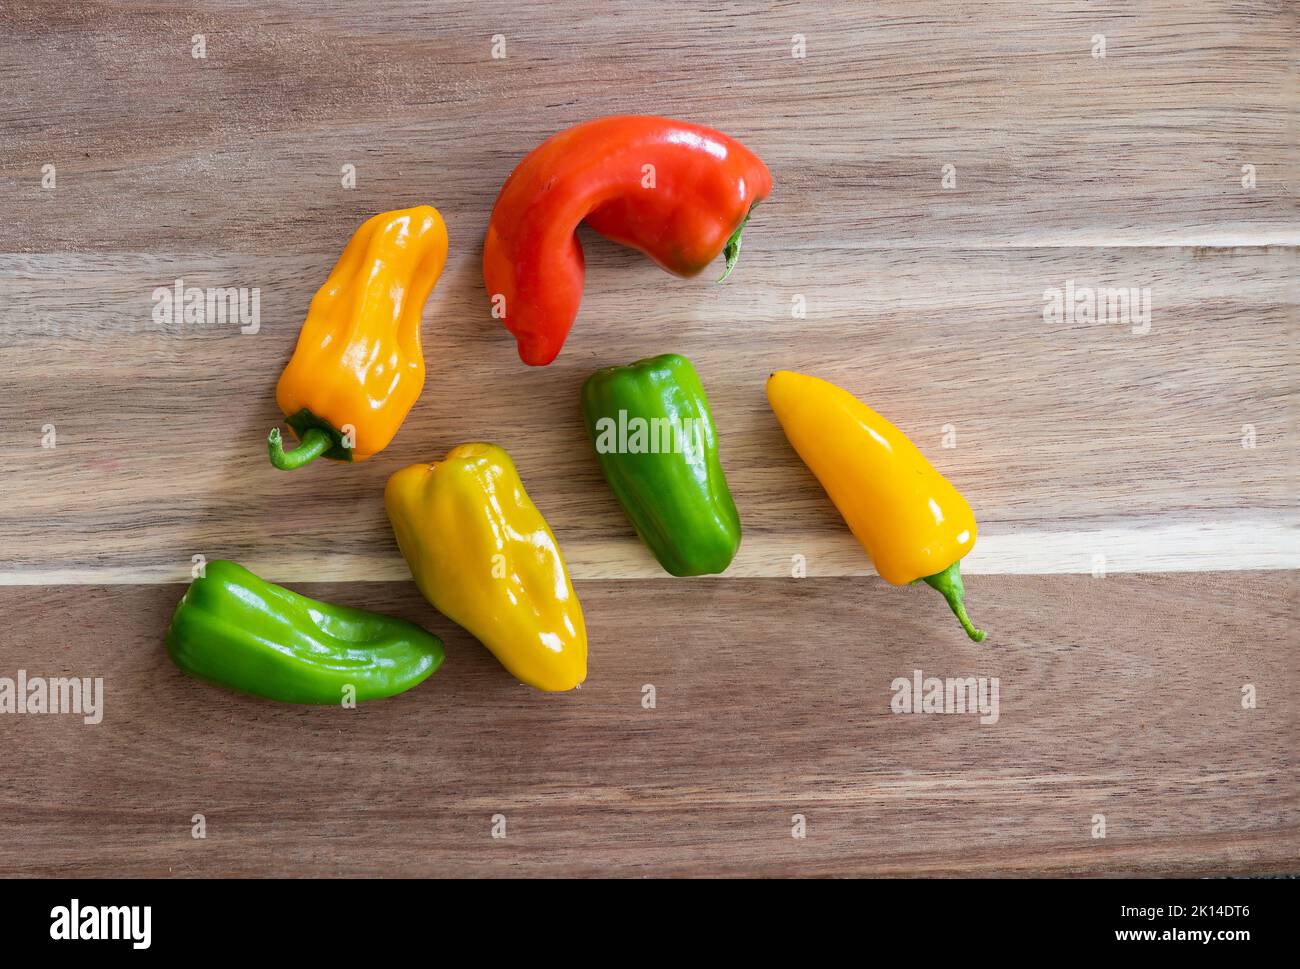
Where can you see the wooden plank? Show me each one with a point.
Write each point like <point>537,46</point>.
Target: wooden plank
<point>158,151</point>
<point>1119,697</point>
<point>1072,439</point>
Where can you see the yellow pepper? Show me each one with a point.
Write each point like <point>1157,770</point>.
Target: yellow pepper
<point>483,555</point>
<point>912,522</point>
<point>358,367</point>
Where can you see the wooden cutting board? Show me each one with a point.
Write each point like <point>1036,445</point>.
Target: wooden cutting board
<point>940,172</point>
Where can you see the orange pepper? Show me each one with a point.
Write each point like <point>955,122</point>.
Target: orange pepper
<point>912,522</point>
<point>358,367</point>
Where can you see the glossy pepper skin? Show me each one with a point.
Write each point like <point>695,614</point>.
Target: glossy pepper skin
<point>679,192</point>
<point>654,436</point>
<point>239,631</point>
<point>912,522</point>
<point>483,555</point>
<point>358,364</point>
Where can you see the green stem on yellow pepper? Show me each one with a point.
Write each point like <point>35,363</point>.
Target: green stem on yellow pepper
<point>949,585</point>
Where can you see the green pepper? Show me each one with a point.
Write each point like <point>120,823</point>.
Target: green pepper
<point>654,437</point>
<point>236,630</point>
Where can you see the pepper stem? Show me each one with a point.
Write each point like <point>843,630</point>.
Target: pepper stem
<point>732,249</point>
<point>311,445</point>
<point>949,585</point>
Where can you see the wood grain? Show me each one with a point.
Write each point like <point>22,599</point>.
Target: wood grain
<point>1119,697</point>
<point>1083,447</point>
<point>1073,440</point>
<point>241,150</point>
<point>1060,431</point>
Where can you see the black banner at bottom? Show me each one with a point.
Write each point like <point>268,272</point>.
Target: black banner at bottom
<point>371,917</point>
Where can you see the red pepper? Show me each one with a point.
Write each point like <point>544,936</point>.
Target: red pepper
<point>679,192</point>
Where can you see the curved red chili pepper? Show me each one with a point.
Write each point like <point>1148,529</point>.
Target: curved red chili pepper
<point>679,192</point>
